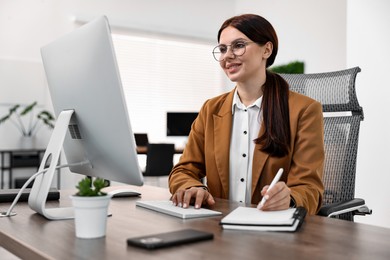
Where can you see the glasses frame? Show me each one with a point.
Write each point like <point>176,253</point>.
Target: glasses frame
<point>216,49</point>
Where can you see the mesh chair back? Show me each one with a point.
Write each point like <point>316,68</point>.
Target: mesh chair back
<point>336,92</point>
<point>159,159</point>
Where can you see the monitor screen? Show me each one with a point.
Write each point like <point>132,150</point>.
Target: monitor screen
<point>179,123</point>
<point>83,77</point>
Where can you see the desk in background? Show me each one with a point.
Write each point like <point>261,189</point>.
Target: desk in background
<point>29,235</point>
<point>18,158</point>
<point>11,159</point>
<point>144,150</point>
<point>21,158</point>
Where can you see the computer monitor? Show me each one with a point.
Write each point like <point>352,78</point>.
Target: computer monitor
<point>92,125</point>
<point>179,123</point>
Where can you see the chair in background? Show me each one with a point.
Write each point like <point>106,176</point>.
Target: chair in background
<point>141,139</point>
<point>159,161</point>
<point>342,117</point>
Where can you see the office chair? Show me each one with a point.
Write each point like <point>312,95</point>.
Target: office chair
<point>141,139</point>
<point>342,117</point>
<point>159,160</point>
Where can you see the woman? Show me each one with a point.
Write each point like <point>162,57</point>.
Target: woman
<point>242,138</point>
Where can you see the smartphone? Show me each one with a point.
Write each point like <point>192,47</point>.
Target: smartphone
<point>170,238</point>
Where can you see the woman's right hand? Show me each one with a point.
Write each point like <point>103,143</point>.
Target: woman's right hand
<point>199,195</point>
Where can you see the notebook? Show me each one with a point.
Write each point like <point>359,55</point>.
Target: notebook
<point>245,218</point>
<point>167,207</point>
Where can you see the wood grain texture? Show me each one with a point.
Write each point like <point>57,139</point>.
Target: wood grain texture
<point>29,235</point>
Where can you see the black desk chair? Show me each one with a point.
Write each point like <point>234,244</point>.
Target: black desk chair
<point>159,160</point>
<point>342,117</point>
<point>141,139</point>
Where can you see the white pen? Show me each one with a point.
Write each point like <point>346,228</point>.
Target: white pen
<point>274,181</point>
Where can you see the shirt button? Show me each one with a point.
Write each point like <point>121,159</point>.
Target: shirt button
<point>245,110</point>
<point>243,155</point>
<point>245,132</point>
<point>242,179</point>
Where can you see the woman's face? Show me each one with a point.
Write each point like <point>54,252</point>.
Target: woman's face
<point>251,64</point>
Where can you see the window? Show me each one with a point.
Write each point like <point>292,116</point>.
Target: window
<point>160,75</point>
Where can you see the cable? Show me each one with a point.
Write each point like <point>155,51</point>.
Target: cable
<point>9,211</point>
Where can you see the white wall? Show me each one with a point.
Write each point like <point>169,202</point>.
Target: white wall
<point>312,31</point>
<point>368,47</point>
<point>326,34</point>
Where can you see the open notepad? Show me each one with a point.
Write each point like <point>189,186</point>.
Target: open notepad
<point>244,218</point>
<point>166,206</point>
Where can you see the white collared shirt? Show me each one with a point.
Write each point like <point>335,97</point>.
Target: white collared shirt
<point>245,129</point>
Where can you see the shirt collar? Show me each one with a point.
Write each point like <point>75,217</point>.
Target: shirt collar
<point>239,105</point>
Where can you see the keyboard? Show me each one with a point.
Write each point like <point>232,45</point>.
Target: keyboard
<point>8,195</point>
<point>167,207</point>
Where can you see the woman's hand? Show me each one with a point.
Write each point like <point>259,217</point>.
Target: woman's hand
<point>277,198</point>
<point>183,198</point>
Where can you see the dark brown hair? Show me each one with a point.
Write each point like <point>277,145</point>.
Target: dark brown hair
<point>276,119</point>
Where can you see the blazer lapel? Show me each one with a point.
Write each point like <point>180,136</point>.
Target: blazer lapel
<point>222,133</point>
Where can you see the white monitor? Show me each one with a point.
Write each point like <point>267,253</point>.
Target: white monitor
<point>92,119</point>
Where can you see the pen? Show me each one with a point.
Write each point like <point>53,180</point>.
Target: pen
<point>274,181</point>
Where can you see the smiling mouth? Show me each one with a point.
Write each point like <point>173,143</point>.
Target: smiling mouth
<point>232,67</point>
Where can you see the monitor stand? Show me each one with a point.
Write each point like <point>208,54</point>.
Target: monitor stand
<point>42,183</point>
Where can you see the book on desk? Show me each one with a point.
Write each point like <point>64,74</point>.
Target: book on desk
<point>245,218</point>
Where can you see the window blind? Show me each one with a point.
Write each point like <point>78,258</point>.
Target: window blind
<point>161,75</point>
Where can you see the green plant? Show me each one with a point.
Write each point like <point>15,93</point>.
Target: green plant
<point>34,123</point>
<point>295,67</point>
<point>87,190</point>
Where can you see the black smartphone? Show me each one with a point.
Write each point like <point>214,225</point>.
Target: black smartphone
<point>170,238</point>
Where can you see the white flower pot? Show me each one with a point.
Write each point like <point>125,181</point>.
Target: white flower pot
<point>90,215</point>
<point>27,142</point>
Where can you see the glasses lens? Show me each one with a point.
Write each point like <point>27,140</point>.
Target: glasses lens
<point>239,48</point>
<point>217,53</point>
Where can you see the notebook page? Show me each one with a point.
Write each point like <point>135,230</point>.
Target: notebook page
<point>253,216</point>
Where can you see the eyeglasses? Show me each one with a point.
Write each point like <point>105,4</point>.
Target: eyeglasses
<point>238,48</point>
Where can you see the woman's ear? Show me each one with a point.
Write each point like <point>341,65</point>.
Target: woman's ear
<point>268,48</point>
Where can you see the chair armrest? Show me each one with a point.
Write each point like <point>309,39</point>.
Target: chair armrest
<point>357,206</point>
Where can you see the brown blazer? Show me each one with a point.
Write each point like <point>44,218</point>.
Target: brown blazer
<point>207,153</point>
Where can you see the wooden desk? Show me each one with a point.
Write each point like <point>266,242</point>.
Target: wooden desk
<point>31,236</point>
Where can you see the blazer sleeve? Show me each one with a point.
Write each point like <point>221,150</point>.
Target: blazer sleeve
<point>190,169</point>
<point>307,163</point>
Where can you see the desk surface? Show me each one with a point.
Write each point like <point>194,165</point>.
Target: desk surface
<point>28,235</point>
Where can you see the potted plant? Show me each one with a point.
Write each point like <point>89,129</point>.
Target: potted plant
<point>91,208</point>
<point>15,116</point>
<point>294,67</point>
